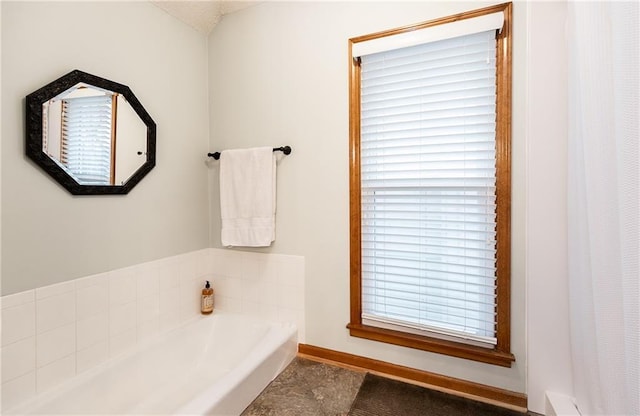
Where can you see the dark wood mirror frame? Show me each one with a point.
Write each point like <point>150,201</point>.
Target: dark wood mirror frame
<point>34,102</point>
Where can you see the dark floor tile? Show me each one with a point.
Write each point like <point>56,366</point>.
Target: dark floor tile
<point>308,388</point>
<point>379,396</point>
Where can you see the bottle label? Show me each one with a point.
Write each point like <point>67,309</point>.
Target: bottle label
<point>207,303</point>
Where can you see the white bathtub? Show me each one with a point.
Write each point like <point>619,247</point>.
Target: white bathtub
<point>214,365</point>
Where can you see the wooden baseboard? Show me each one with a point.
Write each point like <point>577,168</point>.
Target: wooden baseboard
<point>469,389</point>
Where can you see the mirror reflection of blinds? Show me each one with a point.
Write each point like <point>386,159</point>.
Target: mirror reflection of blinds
<point>86,139</point>
<point>428,116</point>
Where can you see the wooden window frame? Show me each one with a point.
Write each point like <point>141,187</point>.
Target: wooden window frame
<point>501,353</point>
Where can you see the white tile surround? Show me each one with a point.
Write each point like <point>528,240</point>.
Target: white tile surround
<point>53,333</point>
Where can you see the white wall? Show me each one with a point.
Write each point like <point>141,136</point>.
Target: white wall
<point>48,235</point>
<point>279,75</point>
<point>548,343</point>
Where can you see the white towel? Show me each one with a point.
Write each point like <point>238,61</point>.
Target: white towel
<point>248,197</point>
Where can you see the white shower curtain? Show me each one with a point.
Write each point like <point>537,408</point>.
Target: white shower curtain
<point>603,206</point>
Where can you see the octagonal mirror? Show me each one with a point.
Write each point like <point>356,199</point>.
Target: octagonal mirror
<point>90,134</point>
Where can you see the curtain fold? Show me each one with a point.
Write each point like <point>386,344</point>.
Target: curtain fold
<point>603,206</point>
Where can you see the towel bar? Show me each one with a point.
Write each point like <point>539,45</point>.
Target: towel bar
<point>284,149</point>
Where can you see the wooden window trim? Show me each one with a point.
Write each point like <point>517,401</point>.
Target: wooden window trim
<point>114,127</point>
<point>501,354</point>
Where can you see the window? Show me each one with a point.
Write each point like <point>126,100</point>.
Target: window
<point>87,138</point>
<point>79,133</point>
<point>430,185</point>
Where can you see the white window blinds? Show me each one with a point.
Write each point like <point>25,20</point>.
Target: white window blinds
<point>428,225</point>
<point>86,139</point>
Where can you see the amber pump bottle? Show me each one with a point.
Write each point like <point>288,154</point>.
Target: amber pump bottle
<point>206,304</point>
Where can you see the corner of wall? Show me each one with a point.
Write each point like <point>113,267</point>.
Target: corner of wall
<point>268,286</point>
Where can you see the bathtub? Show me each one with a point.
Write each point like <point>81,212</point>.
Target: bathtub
<point>213,365</point>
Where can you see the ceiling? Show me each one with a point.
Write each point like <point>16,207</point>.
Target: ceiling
<point>202,15</point>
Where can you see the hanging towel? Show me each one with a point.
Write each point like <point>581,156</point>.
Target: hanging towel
<point>248,197</point>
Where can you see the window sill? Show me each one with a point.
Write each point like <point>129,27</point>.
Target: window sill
<point>454,349</point>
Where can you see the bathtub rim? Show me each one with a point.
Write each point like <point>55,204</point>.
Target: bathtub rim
<point>272,345</point>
